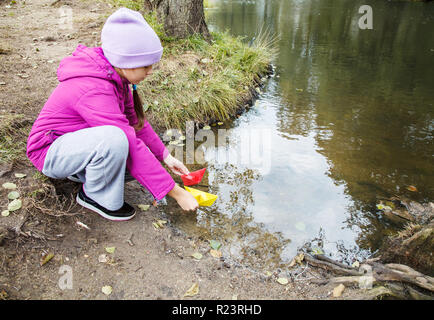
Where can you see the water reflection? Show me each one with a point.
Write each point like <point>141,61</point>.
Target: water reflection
<point>350,115</point>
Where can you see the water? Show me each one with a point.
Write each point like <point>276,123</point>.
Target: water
<point>349,119</point>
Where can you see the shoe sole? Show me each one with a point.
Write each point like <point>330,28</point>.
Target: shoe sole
<point>73,179</point>
<point>102,214</point>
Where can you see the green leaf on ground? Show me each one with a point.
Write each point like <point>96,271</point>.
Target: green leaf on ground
<point>110,249</point>
<point>15,205</point>
<point>283,281</point>
<point>215,244</point>
<point>144,207</point>
<point>5,213</point>
<point>20,175</point>
<point>197,255</point>
<point>9,185</point>
<point>317,250</point>
<point>13,195</point>
<point>47,257</point>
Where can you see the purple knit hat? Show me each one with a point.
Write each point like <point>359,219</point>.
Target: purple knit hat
<point>128,41</point>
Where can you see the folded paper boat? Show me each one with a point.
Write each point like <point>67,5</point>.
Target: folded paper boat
<point>193,177</point>
<point>203,198</point>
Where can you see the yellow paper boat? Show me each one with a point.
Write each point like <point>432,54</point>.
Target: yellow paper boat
<point>203,198</point>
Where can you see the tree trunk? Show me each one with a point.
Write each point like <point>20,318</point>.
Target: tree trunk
<point>181,18</point>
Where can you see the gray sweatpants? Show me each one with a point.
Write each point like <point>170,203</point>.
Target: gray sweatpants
<point>98,157</point>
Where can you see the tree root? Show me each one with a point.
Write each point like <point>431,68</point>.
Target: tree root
<point>395,280</point>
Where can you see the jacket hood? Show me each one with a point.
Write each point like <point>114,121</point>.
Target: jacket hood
<point>88,62</point>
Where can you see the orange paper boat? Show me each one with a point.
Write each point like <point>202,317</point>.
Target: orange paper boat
<point>203,198</point>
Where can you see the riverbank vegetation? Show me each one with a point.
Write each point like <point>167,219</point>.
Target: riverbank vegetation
<point>203,81</point>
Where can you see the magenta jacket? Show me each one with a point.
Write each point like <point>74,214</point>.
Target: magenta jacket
<point>90,94</point>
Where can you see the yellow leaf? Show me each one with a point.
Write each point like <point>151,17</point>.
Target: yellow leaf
<point>194,290</point>
<point>197,255</point>
<point>47,257</point>
<point>161,223</point>
<point>220,123</point>
<point>110,249</point>
<point>107,290</point>
<point>283,281</point>
<point>299,258</point>
<point>156,225</point>
<point>206,128</point>
<point>215,253</point>
<point>268,274</point>
<point>338,290</point>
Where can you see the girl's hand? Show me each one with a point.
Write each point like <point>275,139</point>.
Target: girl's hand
<point>184,198</point>
<point>175,165</point>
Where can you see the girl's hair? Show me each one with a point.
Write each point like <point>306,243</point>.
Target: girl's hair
<point>138,108</point>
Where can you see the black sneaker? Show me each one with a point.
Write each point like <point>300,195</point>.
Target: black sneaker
<point>122,214</point>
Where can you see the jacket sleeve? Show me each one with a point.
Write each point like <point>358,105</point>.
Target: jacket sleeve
<point>99,108</point>
<point>147,133</point>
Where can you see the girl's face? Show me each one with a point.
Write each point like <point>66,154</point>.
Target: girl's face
<point>135,75</point>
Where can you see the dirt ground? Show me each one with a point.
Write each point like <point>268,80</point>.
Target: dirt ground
<point>147,263</point>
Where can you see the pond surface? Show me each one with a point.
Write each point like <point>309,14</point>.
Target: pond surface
<point>346,119</point>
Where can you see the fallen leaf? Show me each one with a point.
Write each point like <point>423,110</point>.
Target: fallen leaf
<point>215,244</point>
<point>215,253</point>
<point>194,290</point>
<point>9,185</point>
<point>5,213</point>
<point>145,107</point>
<point>299,258</point>
<point>20,175</point>
<point>292,263</point>
<point>338,290</point>
<point>161,223</point>
<point>219,123</point>
<point>283,281</point>
<point>110,249</point>
<point>15,205</point>
<point>13,195</point>
<point>300,226</point>
<point>356,264</point>
<point>144,207</point>
<point>235,297</point>
<point>81,224</point>
<point>412,188</point>
<point>47,257</point>
<point>380,207</point>
<point>182,138</point>
<point>317,251</point>
<point>268,273</point>
<point>197,255</point>
<point>156,225</point>
<point>206,128</point>
<point>107,290</point>
<point>102,258</point>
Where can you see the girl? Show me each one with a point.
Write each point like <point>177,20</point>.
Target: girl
<point>92,127</point>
